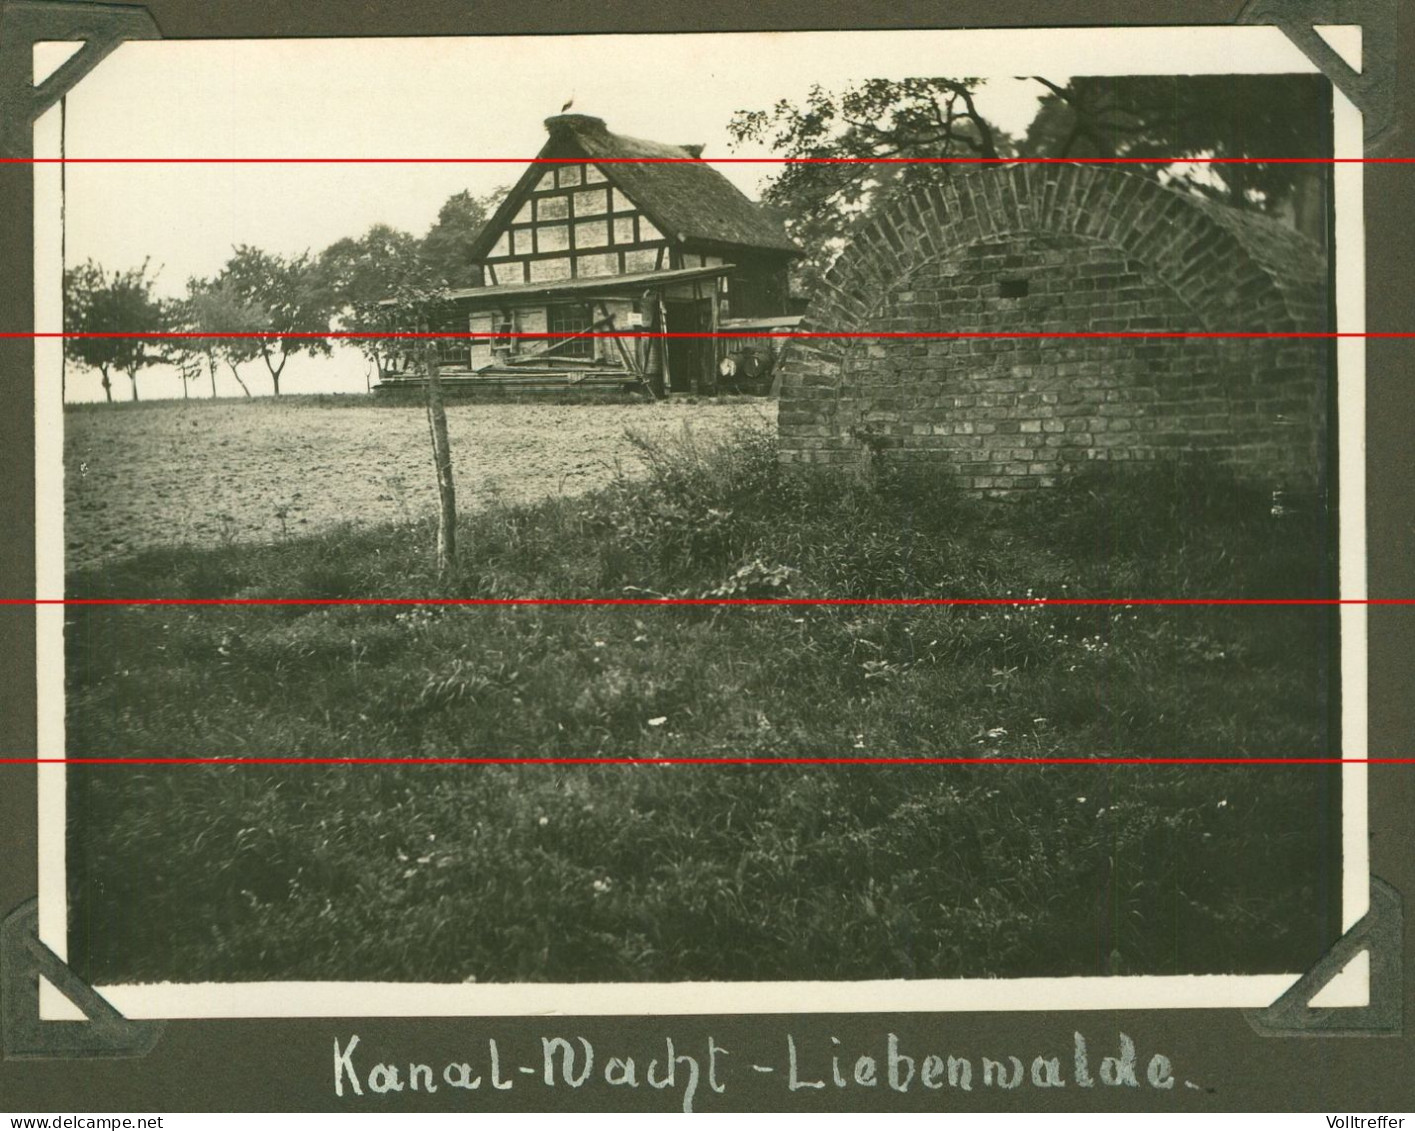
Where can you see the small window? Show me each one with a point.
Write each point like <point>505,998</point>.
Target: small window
<point>501,336</point>
<point>453,351</point>
<point>1012,288</point>
<point>569,319</point>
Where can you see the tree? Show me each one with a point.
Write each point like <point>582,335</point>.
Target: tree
<point>86,310</point>
<point>359,275</point>
<point>213,308</point>
<point>121,303</point>
<point>182,353</point>
<point>871,123</point>
<point>446,249</point>
<point>289,291</point>
<point>1201,116</point>
<point>1183,117</point>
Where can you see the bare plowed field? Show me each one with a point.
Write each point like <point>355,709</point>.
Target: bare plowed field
<point>216,473</point>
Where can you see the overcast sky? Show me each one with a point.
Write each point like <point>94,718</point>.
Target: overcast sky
<point>476,97</point>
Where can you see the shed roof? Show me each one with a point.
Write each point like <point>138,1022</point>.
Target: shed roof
<point>1296,266</point>
<point>683,195</point>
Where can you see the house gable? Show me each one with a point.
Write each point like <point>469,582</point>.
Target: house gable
<point>568,220</point>
<point>573,214</point>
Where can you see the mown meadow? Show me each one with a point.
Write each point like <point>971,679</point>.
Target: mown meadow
<point>670,870</point>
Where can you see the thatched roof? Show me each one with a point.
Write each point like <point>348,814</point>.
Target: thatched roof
<point>685,197</point>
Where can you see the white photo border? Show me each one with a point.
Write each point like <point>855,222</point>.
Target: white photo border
<point>991,53</point>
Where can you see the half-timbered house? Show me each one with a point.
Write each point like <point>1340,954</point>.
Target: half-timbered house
<point>604,233</point>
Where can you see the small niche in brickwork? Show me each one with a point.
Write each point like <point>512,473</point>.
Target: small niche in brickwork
<point>1012,288</point>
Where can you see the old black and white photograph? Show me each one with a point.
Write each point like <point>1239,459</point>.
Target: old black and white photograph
<point>858,512</point>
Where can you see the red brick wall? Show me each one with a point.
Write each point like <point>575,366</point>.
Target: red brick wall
<point>1096,250</point>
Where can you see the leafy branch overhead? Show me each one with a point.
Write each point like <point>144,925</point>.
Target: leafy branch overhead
<point>875,123</point>
<point>1226,116</point>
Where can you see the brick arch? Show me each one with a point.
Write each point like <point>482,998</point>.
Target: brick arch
<point>1225,270</point>
<point>1214,272</point>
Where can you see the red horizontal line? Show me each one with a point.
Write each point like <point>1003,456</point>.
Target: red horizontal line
<point>792,602</point>
<point>707,160</point>
<point>689,761</point>
<point>367,335</point>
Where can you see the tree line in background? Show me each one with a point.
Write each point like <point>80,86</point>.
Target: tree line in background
<point>291,302</point>
<point>1171,120</point>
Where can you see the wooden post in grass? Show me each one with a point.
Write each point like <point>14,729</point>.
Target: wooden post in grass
<point>442,461</point>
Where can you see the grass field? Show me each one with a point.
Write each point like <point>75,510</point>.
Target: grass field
<point>676,871</point>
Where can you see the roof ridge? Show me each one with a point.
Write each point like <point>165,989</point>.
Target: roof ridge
<point>685,196</point>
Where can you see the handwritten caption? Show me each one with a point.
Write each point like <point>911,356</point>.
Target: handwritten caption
<point>575,1062</point>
